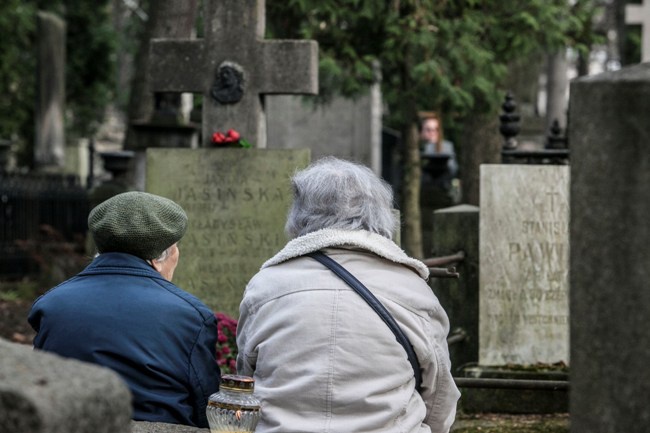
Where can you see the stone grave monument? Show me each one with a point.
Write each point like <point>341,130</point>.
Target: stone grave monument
<point>237,201</point>
<point>232,66</point>
<point>44,393</point>
<point>345,128</point>
<point>524,247</point>
<point>610,251</point>
<point>523,286</point>
<point>49,149</point>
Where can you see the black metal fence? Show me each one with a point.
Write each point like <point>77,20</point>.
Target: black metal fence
<point>31,204</point>
<point>556,148</point>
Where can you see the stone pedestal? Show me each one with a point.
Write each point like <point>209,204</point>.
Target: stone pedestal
<point>144,135</point>
<point>147,135</point>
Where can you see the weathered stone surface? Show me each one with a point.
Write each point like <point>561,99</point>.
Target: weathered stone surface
<point>49,149</point>
<point>45,393</point>
<point>456,229</point>
<point>610,251</point>
<point>237,202</point>
<point>159,427</point>
<point>345,128</point>
<point>234,32</point>
<point>524,247</point>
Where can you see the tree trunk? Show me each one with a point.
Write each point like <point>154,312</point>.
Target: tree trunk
<point>480,143</point>
<point>411,213</point>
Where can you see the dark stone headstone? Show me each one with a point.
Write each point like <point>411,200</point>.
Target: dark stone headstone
<point>232,66</point>
<point>456,229</point>
<point>609,134</point>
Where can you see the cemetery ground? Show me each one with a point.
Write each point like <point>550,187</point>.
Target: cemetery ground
<point>14,327</point>
<point>13,321</point>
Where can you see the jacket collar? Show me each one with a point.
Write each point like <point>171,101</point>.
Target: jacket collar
<point>366,240</point>
<point>120,263</point>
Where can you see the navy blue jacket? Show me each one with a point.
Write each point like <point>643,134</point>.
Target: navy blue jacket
<point>122,314</point>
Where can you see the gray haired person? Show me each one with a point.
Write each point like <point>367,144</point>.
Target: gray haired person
<point>322,359</point>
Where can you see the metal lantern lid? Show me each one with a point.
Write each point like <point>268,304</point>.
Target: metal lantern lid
<point>234,381</point>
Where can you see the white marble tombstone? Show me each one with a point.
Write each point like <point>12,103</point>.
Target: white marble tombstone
<point>523,275</point>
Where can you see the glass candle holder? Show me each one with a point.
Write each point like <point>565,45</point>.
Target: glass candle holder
<point>234,408</point>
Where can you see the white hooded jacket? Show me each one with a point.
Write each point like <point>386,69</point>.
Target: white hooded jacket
<point>324,361</point>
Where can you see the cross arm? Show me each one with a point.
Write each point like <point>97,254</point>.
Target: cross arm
<point>291,67</point>
<point>177,66</point>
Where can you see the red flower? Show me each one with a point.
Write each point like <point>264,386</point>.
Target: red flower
<point>218,138</point>
<point>233,134</point>
<point>226,350</point>
<point>231,137</point>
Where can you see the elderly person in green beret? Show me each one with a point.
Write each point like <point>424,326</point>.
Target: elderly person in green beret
<point>123,312</point>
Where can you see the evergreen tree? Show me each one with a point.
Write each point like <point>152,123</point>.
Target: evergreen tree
<point>450,56</point>
<point>90,46</point>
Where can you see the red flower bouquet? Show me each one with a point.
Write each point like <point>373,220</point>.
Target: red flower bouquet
<point>231,138</point>
<point>226,343</point>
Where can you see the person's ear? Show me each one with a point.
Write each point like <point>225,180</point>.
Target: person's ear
<point>156,265</point>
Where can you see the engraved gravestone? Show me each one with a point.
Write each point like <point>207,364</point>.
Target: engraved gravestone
<point>524,250</point>
<point>233,66</point>
<point>237,202</point>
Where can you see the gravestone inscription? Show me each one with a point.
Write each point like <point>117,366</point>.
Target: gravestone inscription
<point>237,202</point>
<point>524,248</point>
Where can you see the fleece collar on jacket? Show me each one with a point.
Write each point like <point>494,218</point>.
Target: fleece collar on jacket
<point>366,240</point>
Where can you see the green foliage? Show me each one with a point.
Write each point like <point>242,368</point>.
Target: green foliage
<point>90,48</point>
<point>447,55</point>
<point>17,65</point>
<point>90,64</point>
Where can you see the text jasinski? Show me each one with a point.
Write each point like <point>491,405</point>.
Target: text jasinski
<point>259,194</point>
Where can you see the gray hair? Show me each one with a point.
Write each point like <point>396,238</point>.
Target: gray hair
<point>161,258</point>
<point>165,254</point>
<point>337,194</point>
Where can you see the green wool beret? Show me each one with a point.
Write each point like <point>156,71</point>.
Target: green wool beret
<point>137,223</point>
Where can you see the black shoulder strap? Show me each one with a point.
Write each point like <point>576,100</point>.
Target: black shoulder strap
<point>375,305</point>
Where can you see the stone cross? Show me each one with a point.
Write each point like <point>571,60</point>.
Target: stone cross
<point>640,14</point>
<point>232,66</point>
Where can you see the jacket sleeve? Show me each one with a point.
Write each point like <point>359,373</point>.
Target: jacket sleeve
<point>245,360</point>
<point>439,390</point>
<point>204,373</point>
